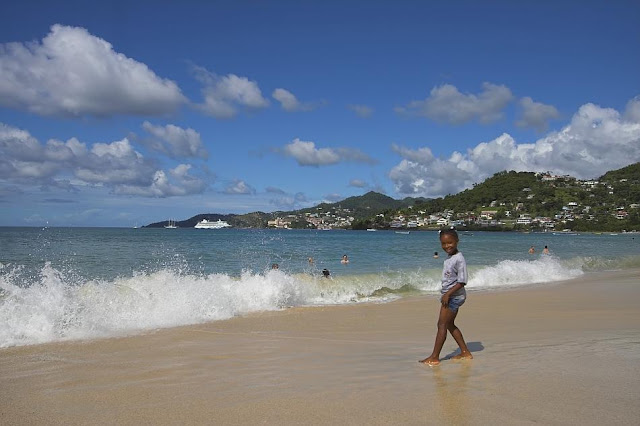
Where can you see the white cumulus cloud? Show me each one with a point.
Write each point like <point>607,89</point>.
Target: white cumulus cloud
<point>595,141</point>
<point>224,96</point>
<point>536,114</point>
<point>332,198</point>
<point>446,104</point>
<point>117,165</point>
<point>73,73</point>
<point>632,111</point>
<point>358,183</point>
<point>289,102</point>
<point>177,183</point>
<point>114,163</point>
<point>284,201</point>
<point>306,154</point>
<point>239,187</point>
<point>175,141</point>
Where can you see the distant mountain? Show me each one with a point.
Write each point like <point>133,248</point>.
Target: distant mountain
<point>190,223</point>
<point>249,220</point>
<point>369,204</point>
<point>363,206</point>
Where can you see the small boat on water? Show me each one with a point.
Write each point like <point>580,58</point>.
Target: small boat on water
<point>403,232</point>
<point>211,224</point>
<point>171,224</point>
<point>371,229</point>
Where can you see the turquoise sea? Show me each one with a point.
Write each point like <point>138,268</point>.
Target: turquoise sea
<point>82,283</point>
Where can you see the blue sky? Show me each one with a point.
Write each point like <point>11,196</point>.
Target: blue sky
<point>124,113</point>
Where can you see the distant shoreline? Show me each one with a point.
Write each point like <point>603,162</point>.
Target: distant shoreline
<point>460,230</point>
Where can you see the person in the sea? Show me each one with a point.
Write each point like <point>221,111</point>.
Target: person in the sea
<point>545,250</point>
<point>454,279</point>
<point>532,250</point>
<point>310,261</point>
<point>326,273</point>
<point>275,266</point>
<point>435,255</point>
<point>345,259</point>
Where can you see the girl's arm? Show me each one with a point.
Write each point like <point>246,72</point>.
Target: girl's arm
<point>445,297</point>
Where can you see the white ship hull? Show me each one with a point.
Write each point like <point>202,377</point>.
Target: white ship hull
<point>206,224</point>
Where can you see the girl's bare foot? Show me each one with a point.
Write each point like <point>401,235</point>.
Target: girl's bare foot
<point>430,361</point>
<point>463,355</point>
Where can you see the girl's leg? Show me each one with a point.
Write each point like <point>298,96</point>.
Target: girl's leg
<point>457,335</point>
<point>444,320</point>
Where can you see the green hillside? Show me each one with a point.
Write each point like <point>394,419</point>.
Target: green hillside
<point>503,187</point>
<point>631,172</point>
<point>363,206</point>
<point>606,204</point>
<point>609,203</point>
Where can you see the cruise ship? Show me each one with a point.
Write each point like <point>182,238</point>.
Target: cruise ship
<point>210,224</point>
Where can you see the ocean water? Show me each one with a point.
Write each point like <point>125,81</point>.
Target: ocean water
<point>83,283</point>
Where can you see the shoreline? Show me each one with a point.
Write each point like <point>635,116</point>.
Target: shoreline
<point>460,230</point>
<point>562,353</point>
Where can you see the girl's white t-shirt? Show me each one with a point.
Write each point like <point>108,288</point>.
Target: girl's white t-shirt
<point>454,271</point>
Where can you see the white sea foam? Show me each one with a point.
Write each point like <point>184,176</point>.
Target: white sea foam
<point>57,307</point>
<point>513,273</point>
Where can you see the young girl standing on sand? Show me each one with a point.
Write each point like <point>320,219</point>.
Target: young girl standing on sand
<point>454,278</point>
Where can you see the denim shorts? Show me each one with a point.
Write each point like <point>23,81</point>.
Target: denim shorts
<point>456,302</point>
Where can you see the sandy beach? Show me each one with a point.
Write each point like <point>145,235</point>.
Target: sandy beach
<point>562,353</point>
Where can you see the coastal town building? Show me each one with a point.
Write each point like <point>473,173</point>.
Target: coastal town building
<point>524,219</point>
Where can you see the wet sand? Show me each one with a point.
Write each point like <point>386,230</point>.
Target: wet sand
<point>563,353</point>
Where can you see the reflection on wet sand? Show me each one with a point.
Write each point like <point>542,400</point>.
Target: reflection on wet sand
<point>451,386</point>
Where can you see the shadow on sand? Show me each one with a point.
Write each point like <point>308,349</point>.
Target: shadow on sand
<point>473,347</point>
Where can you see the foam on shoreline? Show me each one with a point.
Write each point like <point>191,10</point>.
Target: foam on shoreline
<point>57,306</point>
<point>564,354</point>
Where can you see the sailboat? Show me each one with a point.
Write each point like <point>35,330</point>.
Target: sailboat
<point>171,224</point>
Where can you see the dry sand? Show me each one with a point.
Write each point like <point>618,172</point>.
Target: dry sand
<point>563,353</point>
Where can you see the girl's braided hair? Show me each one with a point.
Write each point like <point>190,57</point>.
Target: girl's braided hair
<point>449,231</point>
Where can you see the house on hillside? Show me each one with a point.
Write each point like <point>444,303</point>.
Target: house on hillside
<point>621,214</point>
<point>279,223</point>
<point>443,221</point>
<point>397,223</point>
<point>488,214</point>
<point>524,219</point>
<point>549,177</point>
